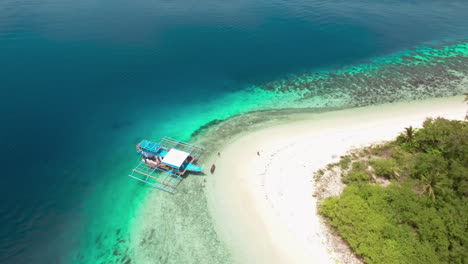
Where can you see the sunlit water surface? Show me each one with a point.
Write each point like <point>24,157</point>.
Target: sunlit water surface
<point>83,81</point>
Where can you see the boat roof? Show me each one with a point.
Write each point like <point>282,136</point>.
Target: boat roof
<point>175,157</point>
<point>164,178</point>
<point>150,146</point>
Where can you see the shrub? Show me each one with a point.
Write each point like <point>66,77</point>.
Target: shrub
<point>357,174</point>
<point>397,225</point>
<point>344,162</point>
<point>384,167</point>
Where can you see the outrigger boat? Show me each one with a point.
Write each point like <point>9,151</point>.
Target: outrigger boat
<point>162,165</point>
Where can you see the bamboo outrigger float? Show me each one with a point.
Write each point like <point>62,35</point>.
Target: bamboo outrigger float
<point>162,165</point>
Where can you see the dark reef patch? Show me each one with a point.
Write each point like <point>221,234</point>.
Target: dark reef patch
<point>431,71</point>
<point>205,127</point>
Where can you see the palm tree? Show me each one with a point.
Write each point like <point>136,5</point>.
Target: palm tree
<point>433,185</point>
<point>429,185</point>
<point>409,134</point>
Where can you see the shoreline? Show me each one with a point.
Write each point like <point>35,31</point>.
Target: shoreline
<point>262,204</point>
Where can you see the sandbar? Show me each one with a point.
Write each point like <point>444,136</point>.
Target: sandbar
<point>261,193</point>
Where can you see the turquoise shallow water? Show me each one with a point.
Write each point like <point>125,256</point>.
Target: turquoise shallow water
<point>443,66</point>
<point>83,81</point>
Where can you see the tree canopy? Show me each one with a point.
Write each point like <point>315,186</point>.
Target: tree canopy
<point>422,216</point>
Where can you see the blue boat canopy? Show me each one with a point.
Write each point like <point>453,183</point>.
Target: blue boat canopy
<point>149,146</point>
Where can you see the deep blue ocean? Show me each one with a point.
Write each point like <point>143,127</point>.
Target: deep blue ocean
<point>82,81</point>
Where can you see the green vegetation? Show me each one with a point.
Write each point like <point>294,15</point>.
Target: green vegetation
<point>344,162</point>
<point>385,167</point>
<point>422,215</point>
<point>357,174</point>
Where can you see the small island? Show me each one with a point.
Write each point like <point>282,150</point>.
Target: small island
<point>405,200</point>
<point>293,192</point>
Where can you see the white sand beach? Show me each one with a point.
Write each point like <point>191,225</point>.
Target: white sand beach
<point>262,204</point>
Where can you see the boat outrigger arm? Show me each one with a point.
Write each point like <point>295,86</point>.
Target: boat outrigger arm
<point>162,165</point>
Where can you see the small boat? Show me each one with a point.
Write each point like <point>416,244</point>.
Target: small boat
<point>163,164</point>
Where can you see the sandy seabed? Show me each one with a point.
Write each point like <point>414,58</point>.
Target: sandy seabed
<point>261,194</point>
